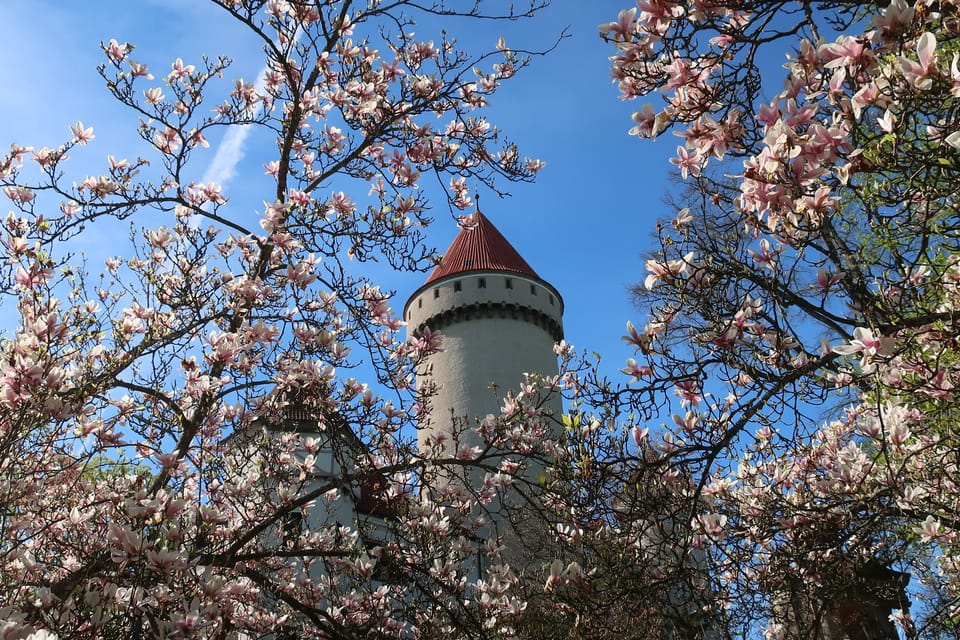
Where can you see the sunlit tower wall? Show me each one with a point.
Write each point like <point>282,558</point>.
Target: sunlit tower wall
<point>499,320</point>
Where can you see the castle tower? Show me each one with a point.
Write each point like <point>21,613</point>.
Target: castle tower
<point>499,320</point>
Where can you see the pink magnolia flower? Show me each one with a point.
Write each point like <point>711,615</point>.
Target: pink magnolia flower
<point>688,422</point>
<point>918,73</point>
<point>845,52</point>
<point>898,14</point>
<point>639,435</point>
<point>575,573</point>
<point>468,453</point>
<point>688,163</point>
<point>899,433</point>
<point>640,340</point>
<point>623,28</point>
<point>827,279</point>
<point>197,139</point>
<point>682,219</point>
<point>554,577</point>
<point>866,96</point>
<point>20,195</point>
<point>636,371</point>
<point>70,209</point>
<point>953,139</point>
<point>138,70</point>
<point>713,524</point>
<point>928,530</point>
<point>666,271</point>
<point>153,95</point>
<point>45,156</point>
<point>649,122</point>
<point>863,342</point>
<point>32,277</point>
<point>534,165</point>
<point>767,256</point>
<point>721,41</point>
<point>689,392</point>
<point>116,51</point>
<point>887,122</point>
<point>955,76</point>
<point>342,204</point>
<point>81,134</point>
<point>118,165</point>
<point>159,238</point>
<point>180,70</point>
<point>769,114</point>
<point>774,631</point>
<point>656,15</point>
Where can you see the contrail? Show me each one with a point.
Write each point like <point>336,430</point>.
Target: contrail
<point>223,167</point>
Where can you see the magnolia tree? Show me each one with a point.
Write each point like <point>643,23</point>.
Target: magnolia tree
<point>162,418</point>
<point>803,326</point>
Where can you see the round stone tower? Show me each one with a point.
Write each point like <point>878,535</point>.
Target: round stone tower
<point>498,319</point>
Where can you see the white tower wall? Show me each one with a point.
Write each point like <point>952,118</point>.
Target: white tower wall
<point>496,326</point>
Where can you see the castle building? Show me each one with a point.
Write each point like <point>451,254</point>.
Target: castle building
<point>499,320</point>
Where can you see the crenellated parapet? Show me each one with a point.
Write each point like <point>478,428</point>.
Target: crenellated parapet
<point>478,295</point>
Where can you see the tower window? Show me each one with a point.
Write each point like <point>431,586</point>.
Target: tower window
<point>420,301</point>
<point>468,263</point>
<point>482,283</point>
<point>457,286</point>
<point>551,299</point>
<point>533,290</point>
<point>509,283</point>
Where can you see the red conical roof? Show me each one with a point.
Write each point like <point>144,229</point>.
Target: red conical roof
<point>480,247</point>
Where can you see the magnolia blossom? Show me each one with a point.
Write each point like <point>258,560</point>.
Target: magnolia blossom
<point>929,529</point>
<point>179,70</point>
<point>865,343</point>
<point>660,271</point>
<point>82,134</point>
<point>688,163</point>
<point>116,51</point>
<point>154,95</point>
<point>713,523</point>
<point>918,73</point>
<point>636,371</point>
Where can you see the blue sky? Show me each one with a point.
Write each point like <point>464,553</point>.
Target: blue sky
<point>584,225</point>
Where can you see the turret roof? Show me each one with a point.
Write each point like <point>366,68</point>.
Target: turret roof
<point>480,247</point>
